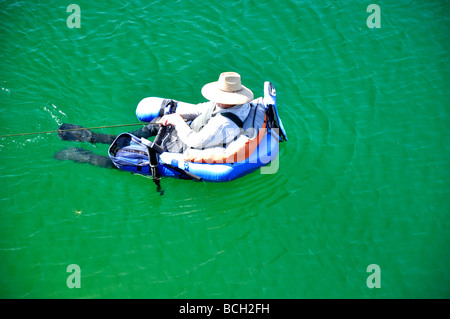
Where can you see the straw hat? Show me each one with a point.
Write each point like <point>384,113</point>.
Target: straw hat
<point>228,90</point>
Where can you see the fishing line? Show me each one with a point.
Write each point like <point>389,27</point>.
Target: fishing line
<point>72,129</point>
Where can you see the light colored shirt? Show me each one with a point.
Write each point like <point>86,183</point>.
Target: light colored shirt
<point>218,131</point>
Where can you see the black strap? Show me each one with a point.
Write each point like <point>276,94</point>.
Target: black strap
<point>233,117</point>
<point>154,169</point>
<point>173,106</point>
<point>184,173</point>
<point>154,162</point>
<point>165,103</point>
<point>163,106</point>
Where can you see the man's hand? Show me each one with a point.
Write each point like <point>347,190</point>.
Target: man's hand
<point>170,119</point>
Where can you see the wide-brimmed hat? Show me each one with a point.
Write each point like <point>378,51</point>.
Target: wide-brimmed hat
<point>228,90</point>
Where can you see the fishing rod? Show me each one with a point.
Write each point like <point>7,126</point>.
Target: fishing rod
<point>71,129</point>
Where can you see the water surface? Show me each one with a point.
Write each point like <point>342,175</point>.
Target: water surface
<point>364,178</point>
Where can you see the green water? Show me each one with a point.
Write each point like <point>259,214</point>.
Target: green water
<point>364,178</point>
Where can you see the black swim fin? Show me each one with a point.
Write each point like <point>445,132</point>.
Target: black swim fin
<point>71,132</point>
<point>81,155</point>
<point>76,133</point>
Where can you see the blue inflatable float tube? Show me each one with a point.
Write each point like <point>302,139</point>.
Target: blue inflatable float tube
<point>128,153</point>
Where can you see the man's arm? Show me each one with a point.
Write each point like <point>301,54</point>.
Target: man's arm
<point>218,130</point>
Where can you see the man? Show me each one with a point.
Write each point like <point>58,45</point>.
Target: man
<point>214,123</point>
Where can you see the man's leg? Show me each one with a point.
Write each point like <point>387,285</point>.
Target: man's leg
<point>81,155</point>
<point>147,131</point>
<point>71,132</point>
<point>76,133</point>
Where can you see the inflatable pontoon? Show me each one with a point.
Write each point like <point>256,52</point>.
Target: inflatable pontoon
<point>255,147</point>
